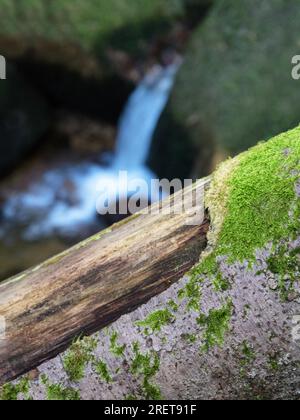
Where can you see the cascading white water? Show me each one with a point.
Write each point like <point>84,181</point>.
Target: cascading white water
<point>135,132</point>
<point>140,117</point>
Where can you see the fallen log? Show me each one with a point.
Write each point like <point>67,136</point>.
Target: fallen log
<point>91,285</point>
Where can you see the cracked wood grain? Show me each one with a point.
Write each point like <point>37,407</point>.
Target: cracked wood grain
<point>93,284</point>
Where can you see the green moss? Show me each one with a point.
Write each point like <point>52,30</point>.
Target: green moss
<point>273,364</point>
<point>130,397</point>
<point>102,370</point>
<point>220,284</point>
<point>261,197</point>
<point>285,264</point>
<point>56,392</point>
<point>190,338</point>
<point>173,305</point>
<point>156,320</point>
<point>248,354</point>
<point>191,292</point>
<point>225,109</point>
<point>152,392</point>
<point>90,23</point>
<point>147,365</point>
<point>116,349</point>
<point>11,392</point>
<point>216,325</point>
<point>78,356</point>
<point>253,202</point>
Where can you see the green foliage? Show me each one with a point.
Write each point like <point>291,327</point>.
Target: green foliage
<point>116,349</point>
<point>273,363</point>
<point>173,305</point>
<point>285,264</point>
<point>78,356</point>
<point>191,338</point>
<point>216,325</point>
<point>220,284</point>
<point>261,207</point>
<point>254,203</point>
<point>130,397</point>
<point>11,392</point>
<point>262,195</point>
<point>235,86</point>
<point>146,365</point>
<point>191,292</point>
<point>156,320</point>
<point>86,23</point>
<point>56,392</point>
<point>248,354</point>
<point>102,370</point>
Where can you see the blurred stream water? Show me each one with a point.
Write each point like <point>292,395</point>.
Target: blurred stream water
<point>44,210</point>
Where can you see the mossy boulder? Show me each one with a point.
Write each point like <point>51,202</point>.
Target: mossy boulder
<point>23,118</point>
<point>65,47</point>
<point>254,203</point>
<point>87,23</point>
<point>235,86</point>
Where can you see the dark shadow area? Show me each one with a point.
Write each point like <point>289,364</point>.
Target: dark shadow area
<point>126,37</point>
<point>172,155</point>
<point>102,99</point>
<point>196,11</point>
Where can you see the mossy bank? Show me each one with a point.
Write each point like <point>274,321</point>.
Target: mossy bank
<point>234,88</point>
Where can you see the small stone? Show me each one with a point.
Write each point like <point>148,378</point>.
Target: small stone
<point>292,296</point>
<point>272,283</point>
<point>33,375</point>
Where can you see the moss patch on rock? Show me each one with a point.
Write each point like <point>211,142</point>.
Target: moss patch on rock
<point>146,365</point>
<point>102,370</point>
<point>116,349</point>
<point>216,325</point>
<point>256,202</point>
<point>57,392</point>
<point>78,356</point>
<point>11,391</point>
<point>156,320</point>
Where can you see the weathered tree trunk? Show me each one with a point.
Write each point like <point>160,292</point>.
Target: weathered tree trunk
<point>231,330</point>
<point>88,287</point>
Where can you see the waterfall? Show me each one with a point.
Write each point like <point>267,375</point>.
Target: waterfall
<point>140,118</point>
<point>135,132</point>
